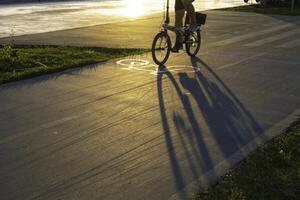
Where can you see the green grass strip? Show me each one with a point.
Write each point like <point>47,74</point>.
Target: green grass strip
<point>256,8</point>
<point>20,62</point>
<point>271,173</point>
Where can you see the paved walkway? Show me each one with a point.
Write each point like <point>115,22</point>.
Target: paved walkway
<point>123,130</point>
<point>49,15</point>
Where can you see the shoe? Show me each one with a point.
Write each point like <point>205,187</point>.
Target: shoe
<point>193,27</point>
<point>176,48</point>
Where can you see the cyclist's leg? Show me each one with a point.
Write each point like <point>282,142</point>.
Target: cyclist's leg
<point>188,4</point>
<point>179,15</point>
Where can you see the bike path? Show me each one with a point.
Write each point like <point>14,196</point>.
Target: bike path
<point>123,130</point>
<point>222,29</point>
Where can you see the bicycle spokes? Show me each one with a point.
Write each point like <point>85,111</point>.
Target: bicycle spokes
<point>161,48</point>
<point>193,42</point>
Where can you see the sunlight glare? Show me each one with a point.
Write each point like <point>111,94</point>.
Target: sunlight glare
<point>134,8</point>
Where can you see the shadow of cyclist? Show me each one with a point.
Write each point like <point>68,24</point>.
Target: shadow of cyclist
<point>194,142</point>
<point>211,110</point>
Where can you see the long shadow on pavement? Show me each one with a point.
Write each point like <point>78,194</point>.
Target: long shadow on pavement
<point>224,113</point>
<point>224,119</point>
<point>199,143</point>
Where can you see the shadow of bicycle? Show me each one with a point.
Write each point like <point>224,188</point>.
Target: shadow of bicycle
<point>208,125</point>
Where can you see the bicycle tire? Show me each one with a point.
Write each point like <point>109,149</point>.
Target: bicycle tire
<point>154,50</point>
<point>188,43</point>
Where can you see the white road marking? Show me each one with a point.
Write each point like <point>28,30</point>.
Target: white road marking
<point>290,44</point>
<point>133,62</point>
<point>241,61</point>
<point>145,66</point>
<point>269,39</point>
<point>253,34</point>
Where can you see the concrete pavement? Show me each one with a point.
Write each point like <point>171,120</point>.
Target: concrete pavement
<point>123,130</point>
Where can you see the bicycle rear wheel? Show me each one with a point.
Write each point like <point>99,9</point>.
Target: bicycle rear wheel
<point>161,48</point>
<point>193,43</point>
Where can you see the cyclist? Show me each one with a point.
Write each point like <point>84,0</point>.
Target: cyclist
<point>182,6</point>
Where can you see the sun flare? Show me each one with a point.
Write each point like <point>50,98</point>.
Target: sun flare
<point>134,8</point>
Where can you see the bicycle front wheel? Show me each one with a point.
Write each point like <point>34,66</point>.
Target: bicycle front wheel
<point>193,43</point>
<point>161,48</point>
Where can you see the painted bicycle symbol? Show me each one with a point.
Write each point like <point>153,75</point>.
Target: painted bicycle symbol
<point>144,65</point>
<point>132,63</point>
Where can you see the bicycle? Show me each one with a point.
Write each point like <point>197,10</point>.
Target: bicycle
<point>161,46</point>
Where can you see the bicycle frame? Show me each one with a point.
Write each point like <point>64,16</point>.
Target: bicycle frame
<point>192,40</point>
<point>167,20</point>
<point>168,27</point>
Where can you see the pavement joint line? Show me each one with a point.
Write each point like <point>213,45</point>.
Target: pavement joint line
<point>47,125</point>
<point>254,34</point>
<point>213,175</point>
<point>88,102</point>
<point>272,38</point>
<point>236,22</point>
<point>279,61</point>
<point>241,61</point>
<point>290,44</point>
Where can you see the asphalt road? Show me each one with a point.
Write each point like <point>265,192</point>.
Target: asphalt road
<point>123,130</point>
